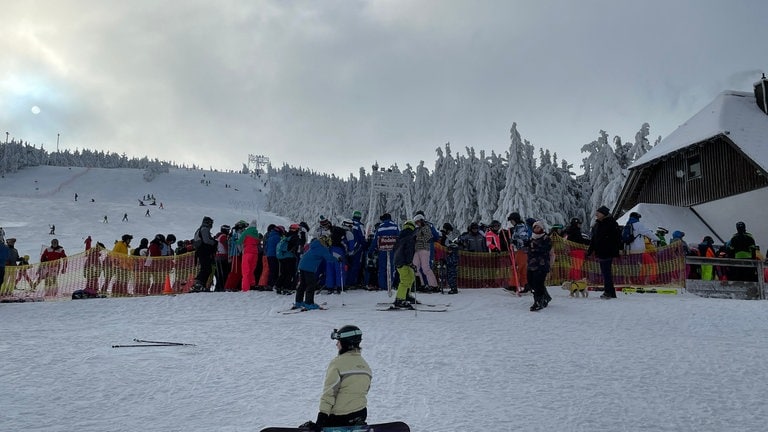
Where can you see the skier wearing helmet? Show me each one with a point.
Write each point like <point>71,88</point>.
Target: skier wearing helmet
<point>347,381</point>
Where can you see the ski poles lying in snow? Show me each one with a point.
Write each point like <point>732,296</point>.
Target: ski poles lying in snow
<point>148,343</point>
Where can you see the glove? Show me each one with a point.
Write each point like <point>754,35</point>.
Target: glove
<point>320,422</point>
<point>310,426</point>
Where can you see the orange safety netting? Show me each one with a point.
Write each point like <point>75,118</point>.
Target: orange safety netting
<point>662,266</point>
<point>101,272</point>
<point>115,275</point>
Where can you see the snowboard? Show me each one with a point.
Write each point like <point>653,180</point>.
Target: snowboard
<point>378,427</point>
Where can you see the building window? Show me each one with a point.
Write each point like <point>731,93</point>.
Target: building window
<point>694,167</point>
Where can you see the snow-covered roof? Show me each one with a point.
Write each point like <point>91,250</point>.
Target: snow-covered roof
<point>672,218</point>
<point>732,113</point>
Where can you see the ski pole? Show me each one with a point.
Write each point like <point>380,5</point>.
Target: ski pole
<point>162,342</point>
<point>145,345</point>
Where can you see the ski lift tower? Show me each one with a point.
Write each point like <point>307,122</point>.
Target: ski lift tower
<point>257,165</point>
<point>391,183</point>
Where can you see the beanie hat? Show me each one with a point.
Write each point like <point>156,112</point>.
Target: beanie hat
<point>514,217</point>
<point>539,224</point>
<point>604,210</point>
<point>356,214</point>
<point>418,217</point>
<point>409,224</point>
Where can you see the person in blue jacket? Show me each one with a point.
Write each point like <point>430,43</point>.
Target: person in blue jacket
<point>274,234</point>
<point>384,244</point>
<point>316,255</point>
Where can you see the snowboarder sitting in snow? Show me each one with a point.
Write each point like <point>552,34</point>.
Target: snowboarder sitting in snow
<point>347,381</point>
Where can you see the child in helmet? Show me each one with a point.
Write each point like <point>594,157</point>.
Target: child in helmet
<point>347,381</point>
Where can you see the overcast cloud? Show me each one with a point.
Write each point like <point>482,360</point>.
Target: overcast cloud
<point>334,85</point>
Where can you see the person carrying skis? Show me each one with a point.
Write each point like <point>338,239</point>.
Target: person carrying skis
<point>347,381</point>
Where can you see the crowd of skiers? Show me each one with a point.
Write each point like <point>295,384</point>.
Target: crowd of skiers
<point>301,260</point>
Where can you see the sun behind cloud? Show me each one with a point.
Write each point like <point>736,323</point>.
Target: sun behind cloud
<point>35,110</point>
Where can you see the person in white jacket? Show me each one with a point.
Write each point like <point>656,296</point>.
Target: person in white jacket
<point>640,232</point>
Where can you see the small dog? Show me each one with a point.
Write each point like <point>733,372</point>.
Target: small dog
<point>577,287</point>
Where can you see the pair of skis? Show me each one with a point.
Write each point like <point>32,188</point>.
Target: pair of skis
<point>141,343</point>
<point>323,306</point>
<point>386,306</point>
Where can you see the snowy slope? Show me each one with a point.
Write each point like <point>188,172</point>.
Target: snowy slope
<point>34,198</point>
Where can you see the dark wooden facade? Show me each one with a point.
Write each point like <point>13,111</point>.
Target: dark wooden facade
<point>676,179</point>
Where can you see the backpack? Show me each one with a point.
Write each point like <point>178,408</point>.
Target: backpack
<point>628,234</point>
<point>197,240</point>
<point>282,247</point>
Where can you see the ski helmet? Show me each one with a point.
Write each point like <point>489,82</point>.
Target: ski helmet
<point>447,227</point>
<point>349,336</point>
<point>225,229</point>
<point>741,227</point>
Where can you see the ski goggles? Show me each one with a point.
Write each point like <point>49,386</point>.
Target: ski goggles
<point>337,335</point>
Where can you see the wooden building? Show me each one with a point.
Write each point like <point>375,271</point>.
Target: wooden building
<point>709,173</point>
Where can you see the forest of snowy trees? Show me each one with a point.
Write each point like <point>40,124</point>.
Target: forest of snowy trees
<point>474,187</point>
<point>16,155</point>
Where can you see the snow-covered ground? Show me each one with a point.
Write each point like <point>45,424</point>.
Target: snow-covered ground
<point>643,362</point>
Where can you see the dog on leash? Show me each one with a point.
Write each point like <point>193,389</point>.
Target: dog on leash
<point>576,288</point>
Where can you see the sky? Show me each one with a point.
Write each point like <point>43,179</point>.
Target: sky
<point>336,85</point>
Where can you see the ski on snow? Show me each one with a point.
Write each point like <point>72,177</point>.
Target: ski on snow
<point>323,306</point>
<point>378,427</point>
<point>433,305</point>
<point>417,307</point>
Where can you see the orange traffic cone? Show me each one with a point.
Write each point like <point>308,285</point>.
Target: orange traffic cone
<point>167,287</point>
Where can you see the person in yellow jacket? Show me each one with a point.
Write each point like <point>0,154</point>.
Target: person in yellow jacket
<point>121,267</point>
<point>347,381</point>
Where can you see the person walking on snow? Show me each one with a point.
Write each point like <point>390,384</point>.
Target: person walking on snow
<point>125,217</point>
<point>541,257</point>
<point>347,381</point>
